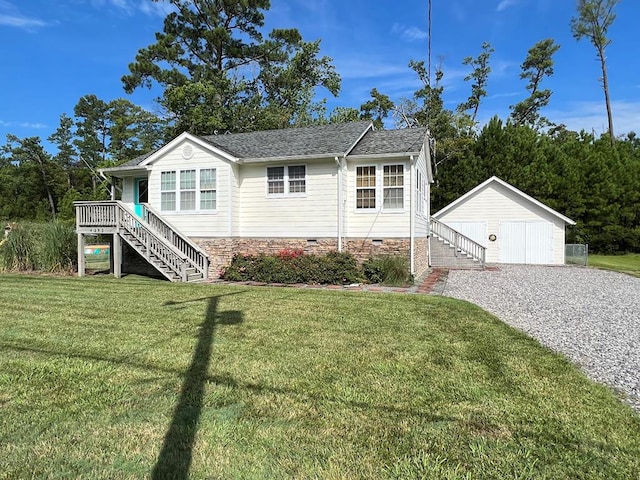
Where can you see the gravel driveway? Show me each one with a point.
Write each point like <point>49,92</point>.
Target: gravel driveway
<point>592,316</point>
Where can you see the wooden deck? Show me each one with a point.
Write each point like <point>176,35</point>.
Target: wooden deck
<point>162,245</point>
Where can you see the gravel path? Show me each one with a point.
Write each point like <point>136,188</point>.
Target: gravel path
<point>592,316</point>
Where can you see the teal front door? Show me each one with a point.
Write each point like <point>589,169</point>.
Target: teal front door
<point>140,194</point>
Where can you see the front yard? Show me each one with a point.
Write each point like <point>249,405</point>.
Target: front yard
<point>135,378</point>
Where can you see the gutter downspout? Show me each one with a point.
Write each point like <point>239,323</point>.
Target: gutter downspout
<point>412,221</point>
<point>340,194</point>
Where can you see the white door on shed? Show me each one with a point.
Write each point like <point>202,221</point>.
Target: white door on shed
<point>526,242</point>
<point>476,231</point>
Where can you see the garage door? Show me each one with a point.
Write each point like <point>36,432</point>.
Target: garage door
<point>476,231</point>
<point>526,242</point>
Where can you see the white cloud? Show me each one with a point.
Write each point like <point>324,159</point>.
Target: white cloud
<point>33,125</point>
<point>358,68</point>
<point>20,21</point>
<point>504,4</point>
<point>409,33</point>
<point>130,7</point>
<point>592,116</point>
<point>160,9</point>
<point>505,95</point>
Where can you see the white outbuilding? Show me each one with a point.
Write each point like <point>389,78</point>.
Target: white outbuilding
<point>514,227</point>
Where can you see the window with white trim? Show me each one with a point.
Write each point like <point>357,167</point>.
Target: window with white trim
<point>208,189</point>
<point>168,191</point>
<point>419,193</point>
<point>393,187</point>
<point>287,180</point>
<point>189,190</point>
<point>385,182</point>
<point>366,187</point>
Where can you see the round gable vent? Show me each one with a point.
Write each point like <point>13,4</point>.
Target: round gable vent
<point>187,151</point>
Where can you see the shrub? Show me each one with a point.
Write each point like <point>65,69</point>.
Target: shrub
<point>387,269</point>
<point>293,266</point>
<point>242,268</point>
<point>339,268</point>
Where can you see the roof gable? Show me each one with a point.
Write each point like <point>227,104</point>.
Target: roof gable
<point>509,187</point>
<point>387,142</point>
<point>149,158</point>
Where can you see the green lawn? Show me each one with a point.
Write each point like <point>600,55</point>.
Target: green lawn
<point>629,263</point>
<point>133,378</point>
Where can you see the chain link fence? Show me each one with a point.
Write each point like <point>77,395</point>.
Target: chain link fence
<point>576,254</point>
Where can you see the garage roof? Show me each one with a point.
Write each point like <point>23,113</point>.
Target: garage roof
<point>520,193</point>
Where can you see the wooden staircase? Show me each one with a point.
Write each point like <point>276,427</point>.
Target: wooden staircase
<point>451,249</point>
<point>172,254</point>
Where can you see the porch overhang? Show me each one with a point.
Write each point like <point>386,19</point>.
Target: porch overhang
<point>123,172</point>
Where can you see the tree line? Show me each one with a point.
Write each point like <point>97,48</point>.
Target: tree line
<point>217,72</point>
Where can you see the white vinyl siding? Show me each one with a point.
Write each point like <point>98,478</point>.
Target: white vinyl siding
<point>211,216</point>
<point>312,214</point>
<point>476,231</point>
<point>378,222</point>
<point>421,187</point>
<point>498,206</point>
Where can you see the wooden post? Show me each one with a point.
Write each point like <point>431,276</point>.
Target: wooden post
<point>81,262</point>
<point>117,256</point>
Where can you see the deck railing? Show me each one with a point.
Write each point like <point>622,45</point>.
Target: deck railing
<point>96,214</point>
<point>159,238</point>
<point>197,256</point>
<point>459,241</point>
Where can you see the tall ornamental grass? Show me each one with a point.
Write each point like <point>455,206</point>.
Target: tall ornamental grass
<point>45,247</point>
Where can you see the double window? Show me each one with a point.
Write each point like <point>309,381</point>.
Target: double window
<point>380,188</point>
<point>287,180</point>
<point>188,190</point>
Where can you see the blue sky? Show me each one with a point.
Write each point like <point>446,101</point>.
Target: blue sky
<point>56,51</point>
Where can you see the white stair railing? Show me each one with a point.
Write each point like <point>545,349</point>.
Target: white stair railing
<point>459,241</point>
<point>174,252</point>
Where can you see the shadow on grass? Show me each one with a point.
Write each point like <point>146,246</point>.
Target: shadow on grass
<point>174,460</point>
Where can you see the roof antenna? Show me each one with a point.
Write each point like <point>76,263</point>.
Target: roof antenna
<point>429,44</point>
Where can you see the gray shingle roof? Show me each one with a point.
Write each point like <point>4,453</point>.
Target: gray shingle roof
<point>136,161</point>
<point>320,140</point>
<point>381,142</point>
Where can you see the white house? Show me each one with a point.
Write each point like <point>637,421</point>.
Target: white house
<point>511,225</point>
<point>198,200</point>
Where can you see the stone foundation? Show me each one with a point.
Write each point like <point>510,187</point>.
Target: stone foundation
<point>421,256</point>
<point>221,250</point>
